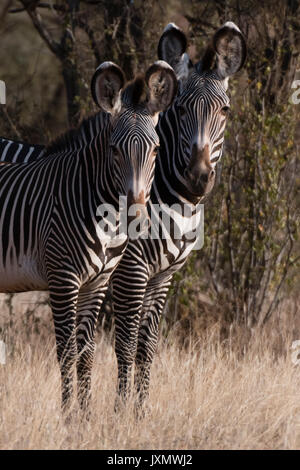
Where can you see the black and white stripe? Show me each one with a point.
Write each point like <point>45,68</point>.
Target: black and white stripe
<point>49,219</point>
<point>191,138</point>
<point>12,151</point>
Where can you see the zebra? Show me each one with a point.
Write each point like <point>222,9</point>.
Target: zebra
<point>191,141</point>
<point>19,152</point>
<point>191,135</point>
<point>49,219</point>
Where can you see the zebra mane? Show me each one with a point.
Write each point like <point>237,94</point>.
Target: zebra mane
<point>135,92</point>
<point>68,138</point>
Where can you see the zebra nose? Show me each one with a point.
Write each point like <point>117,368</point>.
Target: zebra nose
<point>202,178</point>
<point>206,177</point>
<point>136,198</point>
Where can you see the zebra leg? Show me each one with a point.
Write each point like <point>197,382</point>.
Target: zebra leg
<point>88,308</point>
<point>126,332</point>
<point>153,305</point>
<point>63,299</point>
<point>128,294</point>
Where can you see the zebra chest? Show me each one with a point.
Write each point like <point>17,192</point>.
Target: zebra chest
<point>102,262</point>
<point>180,233</point>
<point>171,254</point>
<point>175,254</point>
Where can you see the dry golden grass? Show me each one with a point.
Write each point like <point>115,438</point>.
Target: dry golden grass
<point>211,395</point>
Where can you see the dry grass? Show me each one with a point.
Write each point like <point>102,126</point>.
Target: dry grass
<point>214,396</point>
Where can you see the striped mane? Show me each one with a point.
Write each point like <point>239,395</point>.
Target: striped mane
<point>69,138</point>
<point>135,93</point>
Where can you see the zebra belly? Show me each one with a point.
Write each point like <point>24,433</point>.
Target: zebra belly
<point>25,275</point>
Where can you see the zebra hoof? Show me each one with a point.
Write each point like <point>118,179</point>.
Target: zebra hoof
<point>141,411</point>
<point>69,417</point>
<point>120,405</point>
<point>85,415</point>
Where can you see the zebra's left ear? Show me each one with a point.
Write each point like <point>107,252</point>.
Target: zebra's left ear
<point>228,51</point>
<point>162,87</point>
<point>106,87</point>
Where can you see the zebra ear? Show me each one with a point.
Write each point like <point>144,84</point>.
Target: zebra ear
<point>228,51</point>
<point>231,49</point>
<point>106,87</point>
<point>171,48</point>
<point>162,85</point>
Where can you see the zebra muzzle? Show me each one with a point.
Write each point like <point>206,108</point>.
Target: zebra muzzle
<point>199,175</point>
<point>138,218</point>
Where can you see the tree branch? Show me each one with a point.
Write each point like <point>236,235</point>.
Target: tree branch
<point>3,110</point>
<point>43,31</point>
<point>41,5</point>
<point>90,33</point>
<point>4,11</point>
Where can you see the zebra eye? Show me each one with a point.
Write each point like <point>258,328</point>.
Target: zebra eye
<point>225,110</point>
<point>215,159</point>
<point>156,149</point>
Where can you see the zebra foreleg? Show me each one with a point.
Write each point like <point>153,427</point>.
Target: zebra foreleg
<point>63,299</point>
<point>88,308</point>
<point>128,294</point>
<point>125,348</point>
<point>153,305</point>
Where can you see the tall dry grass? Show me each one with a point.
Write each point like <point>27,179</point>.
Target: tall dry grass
<point>236,393</point>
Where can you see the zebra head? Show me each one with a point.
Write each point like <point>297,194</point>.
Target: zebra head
<point>134,110</point>
<point>202,104</point>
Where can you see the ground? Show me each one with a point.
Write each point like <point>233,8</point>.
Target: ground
<point>205,396</point>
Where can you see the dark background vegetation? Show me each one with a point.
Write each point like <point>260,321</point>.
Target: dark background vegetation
<point>249,266</point>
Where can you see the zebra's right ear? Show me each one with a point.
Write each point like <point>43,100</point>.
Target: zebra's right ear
<point>171,48</point>
<point>106,87</point>
<point>162,87</point>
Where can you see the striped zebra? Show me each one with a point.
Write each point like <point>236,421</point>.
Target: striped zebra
<point>19,152</point>
<point>191,137</point>
<point>49,209</point>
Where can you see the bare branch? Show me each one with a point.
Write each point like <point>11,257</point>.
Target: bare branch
<point>89,31</point>
<point>17,10</point>
<point>285,269</point>
<point>40,5</point>
<point>4,10</point>
<point>52,7</point>
<point>3,110</point>
<point>44,33</point>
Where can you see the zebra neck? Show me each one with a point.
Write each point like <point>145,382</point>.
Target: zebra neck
<point>86,163</point>
<point>170,164</point>
<point>97,160</point>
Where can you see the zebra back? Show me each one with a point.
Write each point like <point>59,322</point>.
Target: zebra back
<point>19,152</point>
